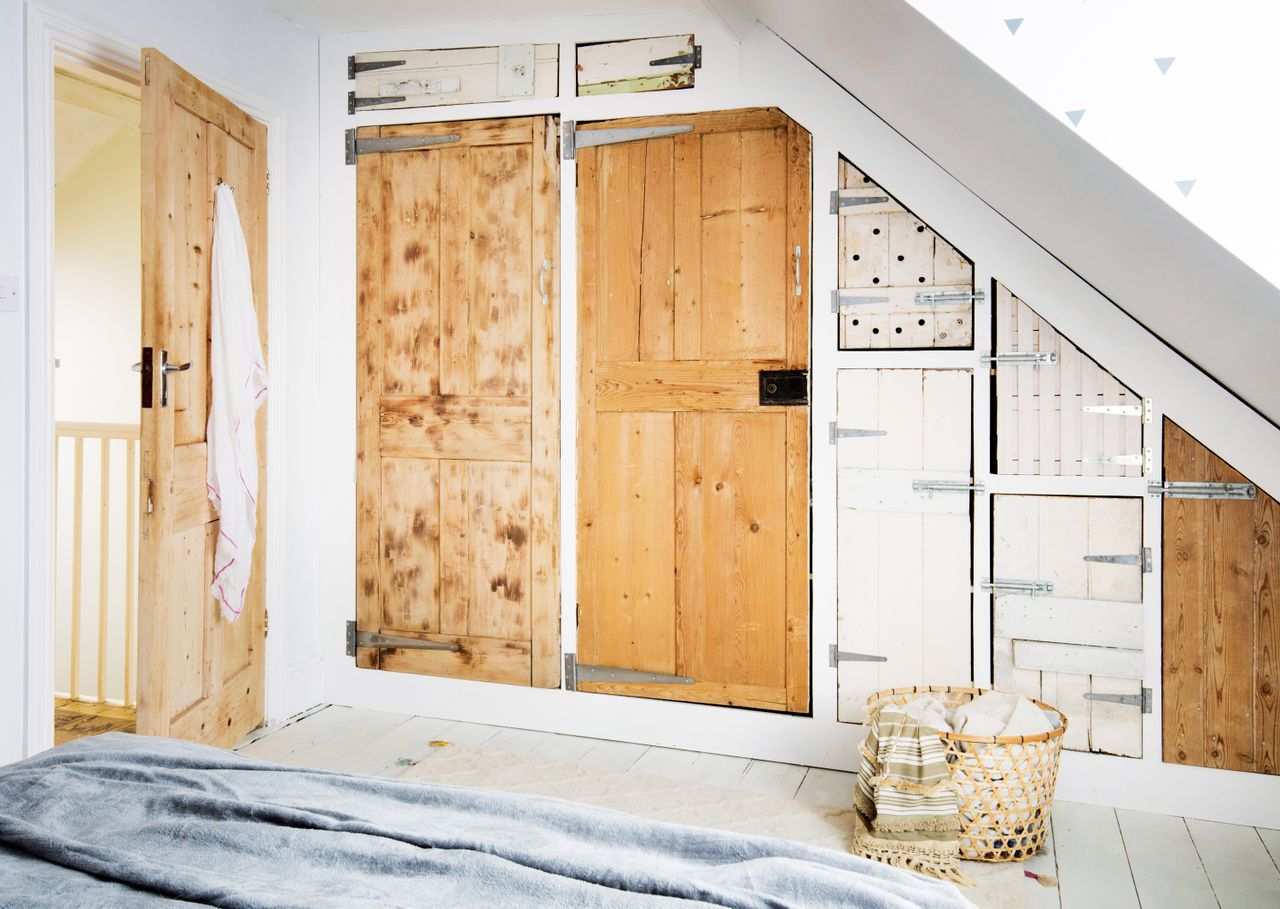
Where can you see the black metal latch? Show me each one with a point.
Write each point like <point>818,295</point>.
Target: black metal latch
<point>784,387</point>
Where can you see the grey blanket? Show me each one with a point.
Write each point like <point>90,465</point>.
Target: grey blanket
<point>121,820</point>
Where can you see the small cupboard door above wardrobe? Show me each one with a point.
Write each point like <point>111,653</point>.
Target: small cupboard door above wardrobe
<point>457,403</point>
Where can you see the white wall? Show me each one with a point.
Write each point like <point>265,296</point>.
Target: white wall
<point>236,43</point>
<point>763,71</point>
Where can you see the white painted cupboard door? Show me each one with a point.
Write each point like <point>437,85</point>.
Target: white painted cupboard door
<point>1068,418</point>
<point>1084,636</point>
<point>904,555</point>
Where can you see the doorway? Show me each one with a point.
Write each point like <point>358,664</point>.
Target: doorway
<point>97,318</point>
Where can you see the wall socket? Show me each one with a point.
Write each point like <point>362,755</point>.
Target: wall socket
<point>8,293</point>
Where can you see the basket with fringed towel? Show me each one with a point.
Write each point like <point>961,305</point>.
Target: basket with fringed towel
<point>927,797</point>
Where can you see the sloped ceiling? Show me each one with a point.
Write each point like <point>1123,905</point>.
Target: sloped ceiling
<point>335,16</point>
<point>1049,182</point>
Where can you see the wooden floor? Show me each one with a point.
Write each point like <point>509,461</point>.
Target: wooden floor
<point>75,719</point>
<point>1102,857</point>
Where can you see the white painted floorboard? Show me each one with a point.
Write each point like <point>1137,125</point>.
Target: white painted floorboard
<point>1102,858</point>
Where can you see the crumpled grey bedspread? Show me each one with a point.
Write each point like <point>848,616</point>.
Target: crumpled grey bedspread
<point>122,820</point>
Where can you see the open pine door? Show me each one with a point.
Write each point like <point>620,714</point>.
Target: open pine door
<point>200,677</point>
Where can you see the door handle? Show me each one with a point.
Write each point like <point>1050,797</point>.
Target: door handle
<point>176,367</point>
<point>165,368</point>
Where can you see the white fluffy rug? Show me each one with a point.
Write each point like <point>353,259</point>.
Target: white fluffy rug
<point>681,802</point>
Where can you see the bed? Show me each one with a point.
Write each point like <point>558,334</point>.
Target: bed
<point>123,820</point>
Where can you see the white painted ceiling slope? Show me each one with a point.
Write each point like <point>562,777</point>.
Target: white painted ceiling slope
<point>327,17</point>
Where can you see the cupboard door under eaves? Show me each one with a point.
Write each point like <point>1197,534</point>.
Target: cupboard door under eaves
<point>693,495</point>
<point>1067,418</point>
<point>904,596</point>
<point>902,286</point>
<point>457,404</point>
<point>1068,625</point>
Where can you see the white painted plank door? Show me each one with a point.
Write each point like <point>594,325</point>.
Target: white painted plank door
<point>1083,638</point>
<point>384,80</point>
<point>904,554</point>
<point>1067,418</point>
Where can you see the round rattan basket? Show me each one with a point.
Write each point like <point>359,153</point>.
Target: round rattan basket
<point>1004,784</point>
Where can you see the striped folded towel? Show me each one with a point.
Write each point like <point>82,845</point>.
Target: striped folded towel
<point>906,803</point>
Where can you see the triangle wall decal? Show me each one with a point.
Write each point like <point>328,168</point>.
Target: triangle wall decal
<point>1164,63</point>
<point>1185,185</point>
<point>1075,116</point>
<point>1014,25</point>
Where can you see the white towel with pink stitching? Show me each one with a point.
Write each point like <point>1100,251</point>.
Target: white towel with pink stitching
<point>239,384</point>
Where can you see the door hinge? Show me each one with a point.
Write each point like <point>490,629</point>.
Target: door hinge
<point>947,297</point>
<point>838,656</point>
<point>1021,358</point>
<point>1017,585</point>
<point>354,104</point>
<point>1141,560</point>
<point>375,144</point>
<point>845,432</point>
<point>379,641</point>
<point>575,672</point>
<point>784,387</point>
<point>842,298</point>
<point>1133,700</point>
<point>1114,410</point>
<point>266,622</point>
<point>572,138</point>
<point>846,199</point>
<point>681,59</point>
<point>1182,490</point>
<point>355,66</point>
<point>932,486</point>
<point>1128,460</point>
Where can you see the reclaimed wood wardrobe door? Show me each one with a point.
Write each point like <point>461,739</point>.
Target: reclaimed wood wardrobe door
<point>1221,631</point>
<point>904,595</point>
<point>457,476</point>
<point>1068,418</point>
<point>693,510</point>
<point>200,677</point>
<point>1079,643</point>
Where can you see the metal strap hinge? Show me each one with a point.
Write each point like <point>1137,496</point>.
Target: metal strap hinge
<point>1114,410</point>
<point>932,486</point>
<point>575,672</point>
<point>1181,490</point>
<point>1033,588</point>
<point>839,656</point>
<point>381,641</point>
<point>1139,559</point>
<point>364,66</point>
<point>1128,460</point>
<point>944,297</point>
<point>681,59</point>
<point>841,298</point>
<point>375,144</point>
<point>1133,700</point>
<point>573,138</point>
<point>354,104</point>
<point>843,199</point>
<point>1021,358</point>
<point>844,432</point>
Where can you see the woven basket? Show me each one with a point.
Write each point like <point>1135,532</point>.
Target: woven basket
<point>1004,783</point>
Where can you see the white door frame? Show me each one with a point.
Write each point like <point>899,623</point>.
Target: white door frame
<point>51,35</point>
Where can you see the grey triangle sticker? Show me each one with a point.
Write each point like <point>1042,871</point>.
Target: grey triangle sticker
<point>1075,116</point>
<point>1164,63</point>
<point>1014,25</point>
<point>1185,185</point>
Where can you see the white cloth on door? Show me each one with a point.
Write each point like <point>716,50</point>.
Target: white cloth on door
<point>239,382</point>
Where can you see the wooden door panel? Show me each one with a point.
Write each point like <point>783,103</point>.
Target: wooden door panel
<point>904,556</point>
<point>693,497</point>
<point>1221,638</point>
<point>458,418</point>
<point>199,676</point>
<point>1085,636</point>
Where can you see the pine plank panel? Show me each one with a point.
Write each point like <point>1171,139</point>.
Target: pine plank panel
<point>471,133</point>
<point>1092,867</point>
<point>1070,621</point>
<point>456,291</point>
<point>1115,728</point>
<point>544,543</point>
<point>1239,867</point>
<point>499,521</point>
<point>799,188</point>
<point>657,252</point>
<point>619,232</point>
<point>1231,635</point>
<point>769,266</point>
<point>1077,659</point>
<point>686,236</point>
<point>453,76</point>
<point>480,659</point>
<point>409,293</point>
<point>797,618</point>
<point>704,124</point>
<point>612,67</point>
<point>475,428</point>
<point>1166,867</point>
<point>409,540</point>
<point>723,262</point>
<point>857,609</point>
<point>1115,528</point>
<point>1266,576</point>
<point>454,547</point>
<point>691,385</point>
<point>727,694</point>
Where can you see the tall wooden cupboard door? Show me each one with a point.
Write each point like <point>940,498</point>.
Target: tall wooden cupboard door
<point>693,517</point>
<point>1221,631</point>
<point>200,676</point>
<point>904,531</point>
<point>457,401</point>
<point>1067,582</point>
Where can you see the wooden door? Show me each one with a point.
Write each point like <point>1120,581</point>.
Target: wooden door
<point>693,510</point>
<point>1221,630</point>
<point>904,595</point>
<point>1079,645</point>
<point>1067,418</point>
<point>901,284</point>
<point>457,476</point>
<point>199,676</point>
